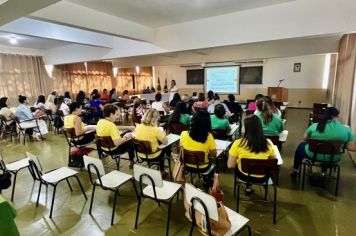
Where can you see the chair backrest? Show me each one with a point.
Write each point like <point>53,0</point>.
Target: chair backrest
<point>142,146</point>
<point>326,147</point>
<point>196,158</point>
<point>319,108</point>
<point>274,139</point>
<point>219,134</point>
<point>177,128</point>
<point>148,176</point>
<point>2,163</point>
<point>34,158</point>
<point>69,132</point>
<point>258,166</point>
<point>96,162</point>
<point>208,200</point>
<point>105,142</point>
<point>35,166</point>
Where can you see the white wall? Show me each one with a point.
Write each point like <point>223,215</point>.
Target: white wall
<point>274,69</point>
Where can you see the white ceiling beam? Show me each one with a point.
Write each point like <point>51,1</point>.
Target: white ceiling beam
<point>13,9</point>
<point>74,15</point>
<point>31,27</point>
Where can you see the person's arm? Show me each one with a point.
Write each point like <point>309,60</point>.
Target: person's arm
<point>212,146</point>
<point>78,126</point>
<point>161,136</point>
<point>126,127</point>
<point>165,106</point>
<point>351,146</point>
<point>232,161</point>
<point>122,140</point>
<point>28,113</point>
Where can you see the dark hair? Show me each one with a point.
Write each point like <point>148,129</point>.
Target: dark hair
<point>201,97</point>
<point>95,91</point>
<point>176,98</point>
<point>253,137</point>
<point>80,97</point>
<point>66,94</point>
<point>112,92</point>
<point>109,109</point>
<point>158,97</point>
<point>216,97</point>
<point>179,109</point>
<point>54,93</point>
<point>3,102</point>
<point>125,92</point>
<point>41,98</point>
<point>219,111</point>
<point>271,104</point>
<point>329,114</point>
<point>258,96</point>
<point>73,106</point>
<point>22,99</point>
<point>105,90</point>
<point>231,98</point>
<point>200,126</point>
<point>210,95</point>
<point>267,114</point>
<point>60,100</point>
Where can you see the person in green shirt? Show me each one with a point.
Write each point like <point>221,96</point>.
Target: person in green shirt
<point>328,129</point>
<point>180,114</point>
<point>218,120</point>
<point>272,124</point>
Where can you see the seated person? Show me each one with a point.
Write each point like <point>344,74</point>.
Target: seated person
<point>218,120</point>
<point>180,114</point>
<point>272,107</point>
<point>67,98</point>
<point>107,127</point>
<point>104,96</point>
<point>329,129</point>
<point>40,103</point>
<point>23,113</point>
<point>210,97</point>
<point>74,121</point>
<point>252,145</point>
<point>149,130</point>
<point>176,98</point>
<point>272,124</point>
<point>159,105</point>
<point>113,95</point>
<point>126,97</point>
<point>233,106</point>
<point>137,111</point>
<point>50,105</point>
<point>211,107</point>
<point>201,104</point>
<point>199,138</point>
<point>61,106</point>
<point>251,107</point>
<point>6,112</point>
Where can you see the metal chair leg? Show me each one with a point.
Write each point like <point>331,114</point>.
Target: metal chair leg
<point>274,204</point>
<point>81,187</point>
<point>137,211</point>
<point>113,209</point>
<point>39,192</point>
<point>134,185</point>
<point>70,187</point>
<point>303,178</point>
<point>54,194</point>
<point>238,198</point>
<point>169,216</point>
<point>13,187</point>
<point>337,180</point>
<point>266,191</point>
<point>235,184</point>
<point>92,199</point>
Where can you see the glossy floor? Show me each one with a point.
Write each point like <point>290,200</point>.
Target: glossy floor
<point>314,211</point>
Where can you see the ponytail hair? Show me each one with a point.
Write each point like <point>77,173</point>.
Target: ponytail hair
<point>267,113</point>
<point>329,114</point>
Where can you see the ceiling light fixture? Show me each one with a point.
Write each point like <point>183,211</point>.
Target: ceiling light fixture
<point>13,40</point>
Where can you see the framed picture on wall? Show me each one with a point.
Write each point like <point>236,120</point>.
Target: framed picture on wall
<point>297,67</point>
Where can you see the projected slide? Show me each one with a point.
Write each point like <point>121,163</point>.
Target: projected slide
<point>222,79</point>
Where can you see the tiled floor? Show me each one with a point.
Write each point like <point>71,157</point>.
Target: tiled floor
<point>314,211</point>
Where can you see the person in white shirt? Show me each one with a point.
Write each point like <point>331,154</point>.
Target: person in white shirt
<point>6,112</point>
<point>49,105</point>
<point>173,90</point>
<point>159,105</point>
<point>211,107</point>
<point>62,106</point>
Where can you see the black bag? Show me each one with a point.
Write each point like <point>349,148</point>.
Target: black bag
<point>5,180</point>
<point>76,161</point>
<point>58,122</point>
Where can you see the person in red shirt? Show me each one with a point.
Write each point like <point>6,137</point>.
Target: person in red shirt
<point>104,96</point>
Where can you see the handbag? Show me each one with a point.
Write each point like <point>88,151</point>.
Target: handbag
<point>218,228</point>
<point>5,180</point>
<point>76,161</point>
<point>178,170</point>
<point>215,190</point>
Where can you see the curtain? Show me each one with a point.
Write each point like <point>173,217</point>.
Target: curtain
<point>76,76</point>
<point>344,83</point>
<point>124,80</point>
<point>331,79</point>
<point>23,75</point>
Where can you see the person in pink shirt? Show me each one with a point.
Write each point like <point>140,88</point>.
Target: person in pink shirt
<point>104,95</point>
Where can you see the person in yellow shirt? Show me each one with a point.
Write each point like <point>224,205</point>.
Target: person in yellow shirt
<point>73,120</point>
<point>107,127</point>
<point>252,145</point>
<point>148,130</point>
<point>199,138</point>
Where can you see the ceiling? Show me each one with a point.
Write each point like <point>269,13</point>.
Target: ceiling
<point>157,13</point>
<point>30,41</point>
